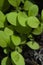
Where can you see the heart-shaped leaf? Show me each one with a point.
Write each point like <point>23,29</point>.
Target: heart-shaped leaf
<point>33,45</point>
<point>2,19</point>
<point>33,22</point>
<point>16,40</point>
<point>33,11</point>
<point>11,17</point>
<point>17,58</point>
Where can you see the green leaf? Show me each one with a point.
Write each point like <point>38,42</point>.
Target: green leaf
<point>16,40</point>
<point>22,17</point>
<point>33,45</point>
<point>23,30</point>
<point>17,58</point>
<point>4,5</point>
<point>14,3</point>
<point>4,61</point>
<point>42,15</point>
<point>27,5</point>
<point>18,49</point>
<point>33,22</point>
<point>33,11</point>
<point>8,31</point>
<point>37,31</point>
<point>11,17</point>
<point>2,19</point>
<point>3,42</point>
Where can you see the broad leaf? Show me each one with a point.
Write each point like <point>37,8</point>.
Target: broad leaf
<point>33,11</point>
<point>22,17</point>
<point>16,40</point>
<point>33,22</point>
<point>27,5</point>
<point>11,17</point>
<point>33,45</point>
<point>17,58</point>
<point>2,19</point>
<point>14,3</point>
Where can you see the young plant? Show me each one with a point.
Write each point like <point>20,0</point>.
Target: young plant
<point>17,23</point>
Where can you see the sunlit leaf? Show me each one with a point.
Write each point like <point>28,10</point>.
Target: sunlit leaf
<point>27,5</point>
<point>33,11</point>
<point>17,58</point>
<point>33,22</point>
<point>22,17</point>
<point>16,40</point>
<point>8,31</point>
<point>2,19</point>
<point>33,45</point>
<point>11,17</point>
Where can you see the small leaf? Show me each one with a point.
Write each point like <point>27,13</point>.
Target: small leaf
<point>17,58</point>
<point>16,40</point>
<point>37,31</point>
<point>33,11</point>
<point>11,17</point>
<point>42,15</point>
<point>27,5</point>
<point>3,42</point>
<point>33,45</point>
<point>4,61</point>
<point>33,22</point>
<point>22,17</point>
<point>2,19</point>
<point>14,3</point>
<point>8,31</point>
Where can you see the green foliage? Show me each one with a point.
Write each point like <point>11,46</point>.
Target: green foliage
<point>2,20</point>
<point>33,45</point>
<point>16,58</point>
<point>18,22</point>
<point>33,22</point>
<point>16,40</point>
